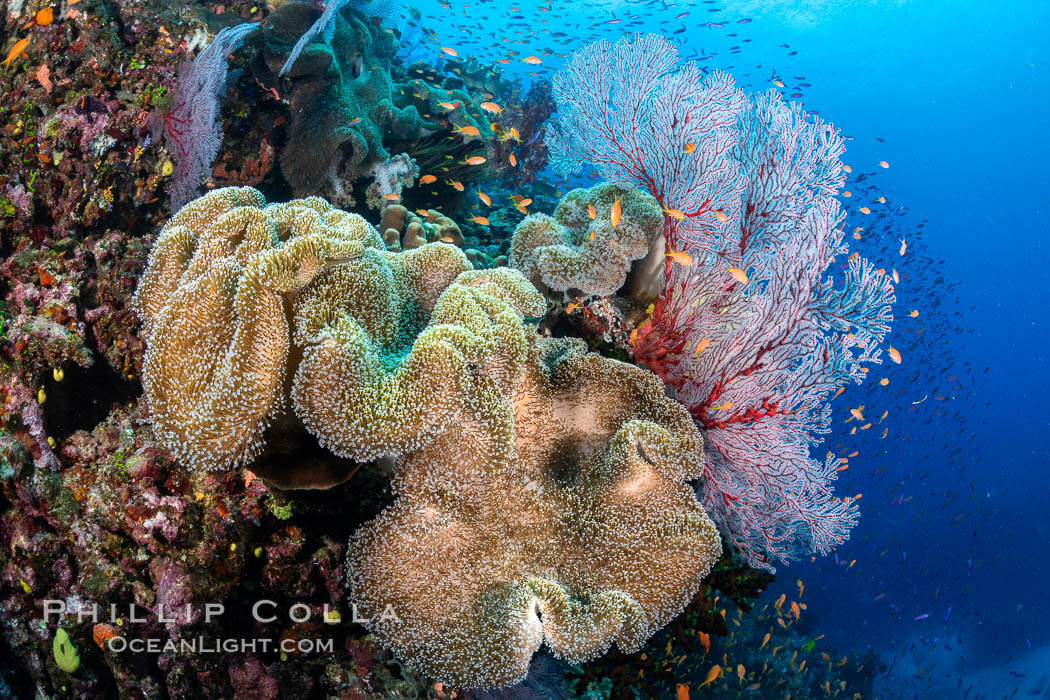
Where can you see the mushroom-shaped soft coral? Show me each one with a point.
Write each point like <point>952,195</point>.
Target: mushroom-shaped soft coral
<point>575,527</point>
<point>213,301</point>
<point>394,354</point>
<point>573,251</point>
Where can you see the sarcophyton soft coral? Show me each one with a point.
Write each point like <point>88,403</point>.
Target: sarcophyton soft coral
<point>245,304</point>
<point>577,250</point>
<point>559,516</point>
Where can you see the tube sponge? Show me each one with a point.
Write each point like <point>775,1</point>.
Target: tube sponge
<point>572,251</point>
<point>560,514</point>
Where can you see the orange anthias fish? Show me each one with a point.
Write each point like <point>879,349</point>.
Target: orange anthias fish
<point>690,147</point>
<point>491,107</point>
<point>484,198</point>
<point>532,60</point>
<point>616,213</point>
<point>705,641</point>
<point>904,248</point>
<point>721,216</point>
<point>450,52</point>
<point>895,354</point>
<point>479,220</point>
<point>592,212</point>
<point>674,214</point>
<point>427,179</point>
<point>711,675</point>
<point>474,160</point>
<point>701,346</point>
<point>738,274</point>
<point>884,164</point>
<point>393,196</point>
<point>513,161</point>
<point>680,256</point>
<point>467,130</point>
<point>765,641</point>
<point>15,51</point>
<point>456,184</point>
<point>682,692</point>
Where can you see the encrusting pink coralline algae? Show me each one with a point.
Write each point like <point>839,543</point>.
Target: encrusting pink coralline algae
<point>754,330</point>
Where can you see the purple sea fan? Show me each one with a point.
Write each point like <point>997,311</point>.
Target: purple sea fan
<point>193,126</point>
<point>755,336</point>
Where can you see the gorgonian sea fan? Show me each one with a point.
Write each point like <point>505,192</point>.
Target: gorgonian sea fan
<point>755,362</point>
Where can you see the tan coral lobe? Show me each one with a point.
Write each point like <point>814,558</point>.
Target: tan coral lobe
<point>572,251</point>
<point>213,302</point>
<point>560,515</point>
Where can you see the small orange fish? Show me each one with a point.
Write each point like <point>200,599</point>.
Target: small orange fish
<point>778,83</point>
<point>592,212</point>
<point>615,213</point>
<point>895,276</point>
<point>725,406</point>
<point>456,184</point>
<point>450,52</point>
<point>884,164</point>
<point>711,675</point>
<point>705,641</point>
<point>765,640</point>
<point>721,216</point>
<point>741,671</point>
<point>847,168</point>
<point>513,161</point>
<point>690,147</point>
<point>449,105</point>
<point>484,198</point>
<point>474,160</point>
<point>738,274</point>
<point>479,220</point>
<point>491,107</point>
<point>856,413</point>
<point>427,179</point>
<point>795,610</point>
<point>904,248</point>
<point>44,17</point>
<point>682,692</point>
<point>865,210</point>
<point>701,346</point>
<point>572,307</point>
<point>532,60</point>
<point>393,196</point>
<point>881,200</point>
<point>15,51</point>
<point>914,313</point>
<point>674,214</point>
<point>895,354</point>
<point>884,381</point>
<point>680,256</point>
<point>847,193</point>
<point>467,130</point>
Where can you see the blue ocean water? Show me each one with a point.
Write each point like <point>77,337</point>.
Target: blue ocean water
<point>944,578</point>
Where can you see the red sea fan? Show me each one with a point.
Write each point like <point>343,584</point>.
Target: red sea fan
<point>193,127</point>
<point>748,185</point>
